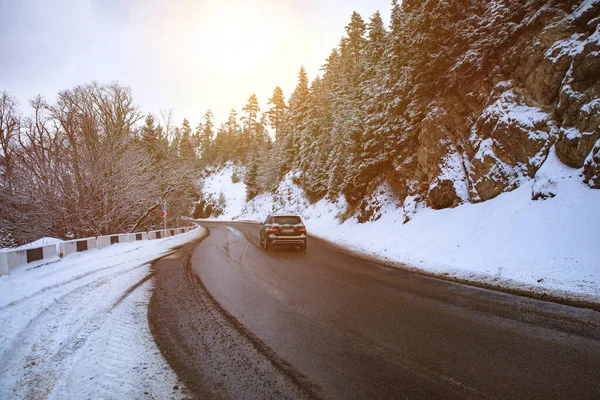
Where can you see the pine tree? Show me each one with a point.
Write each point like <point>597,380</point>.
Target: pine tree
<point>250,122</point>
<point>251,109</point>
<point>295,121</point>
<point>315,142</point>
<point>344,71</point>
<point>175,143</point>
<point>260,136</point>
<point>250,179</point>
<point>197,139</point>
<point>277,112</point>
<point>206,138</point>
<point>149,137</point>
<point>375,46</point>
<point>356,36</point>
<point>374,154</point>
<point>186,146</point>
<point>220,146</point>
<point>234,142</point>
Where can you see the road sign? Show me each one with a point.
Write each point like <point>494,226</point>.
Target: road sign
<point>165,213</point>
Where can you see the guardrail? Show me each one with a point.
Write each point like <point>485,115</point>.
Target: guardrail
<point>12,259</point>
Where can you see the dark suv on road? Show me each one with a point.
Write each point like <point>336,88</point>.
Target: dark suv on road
<point>283,229</point>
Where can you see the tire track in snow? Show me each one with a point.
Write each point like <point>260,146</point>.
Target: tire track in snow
<point>76,278</point>
<point>47,342</point>
<point>48,345</point>
<point>55,302</point>
<point>115,356</point>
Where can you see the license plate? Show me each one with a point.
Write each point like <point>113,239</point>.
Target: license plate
<point>288,231</point>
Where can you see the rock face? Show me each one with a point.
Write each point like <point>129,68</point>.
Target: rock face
<point>511,139</point>
<point>579,103</point>
<point>591,169</point>
<point>538,87</point>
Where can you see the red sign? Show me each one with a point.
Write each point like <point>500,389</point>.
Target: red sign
<point>165,213</point>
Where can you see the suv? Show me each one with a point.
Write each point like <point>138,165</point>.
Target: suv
<point>283,229</point>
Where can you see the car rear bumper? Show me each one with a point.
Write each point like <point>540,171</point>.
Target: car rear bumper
<point>289,240</point>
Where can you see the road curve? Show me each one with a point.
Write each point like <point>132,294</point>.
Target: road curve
<point>328,324</point>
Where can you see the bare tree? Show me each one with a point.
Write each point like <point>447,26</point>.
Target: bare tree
<point>9,129</point>
<point>78,169</point>
<point>167,120</point>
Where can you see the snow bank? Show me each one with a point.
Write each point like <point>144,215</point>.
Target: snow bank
<point>78,327</point>
<point>46,241</point>
<point>549,245</point>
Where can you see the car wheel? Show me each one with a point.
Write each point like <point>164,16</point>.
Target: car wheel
<point>267,245</point>
<point>303,246</point>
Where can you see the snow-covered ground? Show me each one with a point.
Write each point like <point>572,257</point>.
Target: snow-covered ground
<point>548,246</point>
<point>78,327</point>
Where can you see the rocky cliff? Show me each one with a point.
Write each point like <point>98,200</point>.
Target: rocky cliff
<point>458,101</point>
<point>533,83</point>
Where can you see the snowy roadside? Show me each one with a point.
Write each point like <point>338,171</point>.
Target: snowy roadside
<point>548,247</point>
<point>78,327</point>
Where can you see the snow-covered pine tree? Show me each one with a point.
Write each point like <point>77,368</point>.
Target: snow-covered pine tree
<point>250,179</point>
<point>375,153</point>
<point>187,149</point>
<point>343,76</point>
<point>249,127</point>
<point>206,139</point>
<point>219,148</point>
<point>149,136</point>
<point>276,113</point>
<point>314,142</point>
<point>233,145</point>
<point>197,139</point>
<point>296,117</point>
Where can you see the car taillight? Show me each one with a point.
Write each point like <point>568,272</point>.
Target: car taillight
<point>302,230</point>
<point>271,230</point>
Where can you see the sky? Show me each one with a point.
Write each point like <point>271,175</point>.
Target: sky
<point>181,54</point>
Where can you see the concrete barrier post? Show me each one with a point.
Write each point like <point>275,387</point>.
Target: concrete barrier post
<point>49,251</point>
<point>66,248</point>
<point>92,243</point>
<point>103,241</point>
<point>125,238</point>
<point>16,258</point>
<point>3,264</point>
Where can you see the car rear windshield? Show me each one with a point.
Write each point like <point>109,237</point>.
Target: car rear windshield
<point>287,220</point>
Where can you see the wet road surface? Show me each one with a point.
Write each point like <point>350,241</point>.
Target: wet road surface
<point>327,324</point>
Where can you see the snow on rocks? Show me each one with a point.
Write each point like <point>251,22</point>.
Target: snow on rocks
<point>591,169</point>
<point>512,139</point>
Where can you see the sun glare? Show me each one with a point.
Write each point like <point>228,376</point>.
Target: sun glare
<point>237,41</point>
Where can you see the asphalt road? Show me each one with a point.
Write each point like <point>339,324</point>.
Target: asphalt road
<point>235,321</point>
